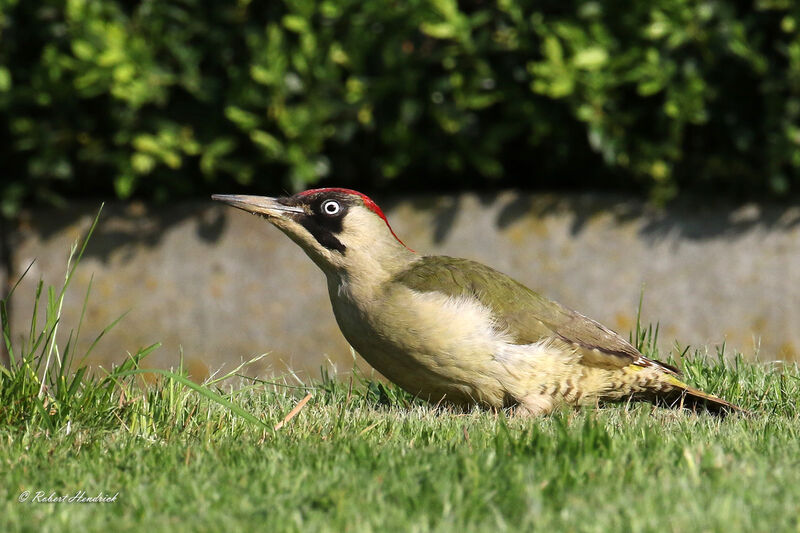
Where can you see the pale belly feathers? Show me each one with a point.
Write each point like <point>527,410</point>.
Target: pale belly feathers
<point>444,348</point>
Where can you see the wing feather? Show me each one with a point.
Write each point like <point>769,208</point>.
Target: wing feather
<point>526,315</point>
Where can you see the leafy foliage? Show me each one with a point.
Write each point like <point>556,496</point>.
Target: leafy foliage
<point>170,98</point>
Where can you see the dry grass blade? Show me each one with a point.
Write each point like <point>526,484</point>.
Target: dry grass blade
<point>369,427</point>
<point>293,412</point>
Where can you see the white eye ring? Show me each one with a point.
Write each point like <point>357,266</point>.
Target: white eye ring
<point>331,207</point>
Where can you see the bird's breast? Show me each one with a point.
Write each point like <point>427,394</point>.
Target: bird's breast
<point>426,342</point>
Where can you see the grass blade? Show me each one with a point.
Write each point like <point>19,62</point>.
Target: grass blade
<point>204,391</point>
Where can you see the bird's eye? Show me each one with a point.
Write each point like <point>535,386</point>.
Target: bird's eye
<point>331,207</point>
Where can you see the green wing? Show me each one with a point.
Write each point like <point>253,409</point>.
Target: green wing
<point>527,316</point>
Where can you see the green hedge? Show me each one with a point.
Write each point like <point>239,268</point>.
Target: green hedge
<point>172,98</point>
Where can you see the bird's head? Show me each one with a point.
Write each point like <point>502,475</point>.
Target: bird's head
<point>342,231</point>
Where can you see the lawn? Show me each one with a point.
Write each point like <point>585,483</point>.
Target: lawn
<point>236,454</point>
<point>369,459</point>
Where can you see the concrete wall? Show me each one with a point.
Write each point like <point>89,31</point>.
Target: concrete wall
<point>222,285</point>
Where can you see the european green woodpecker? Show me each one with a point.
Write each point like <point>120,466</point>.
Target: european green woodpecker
<point>456,331</point>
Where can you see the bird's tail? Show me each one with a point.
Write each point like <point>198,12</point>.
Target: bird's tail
<point>684,396</point>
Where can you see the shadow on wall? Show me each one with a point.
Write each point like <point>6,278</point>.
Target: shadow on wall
<point>693,218</point>
<point>125,224</point>
<point>137,223</point>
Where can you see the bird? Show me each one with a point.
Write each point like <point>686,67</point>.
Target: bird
<point>455,331</point>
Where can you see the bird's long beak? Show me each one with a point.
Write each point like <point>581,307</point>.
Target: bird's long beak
<point>259,205</point>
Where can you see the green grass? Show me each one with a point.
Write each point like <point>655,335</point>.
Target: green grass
<point>349,461</point>
<point>362,456</point>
